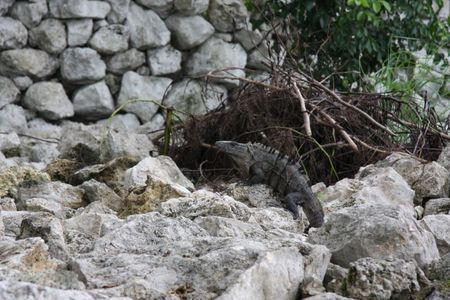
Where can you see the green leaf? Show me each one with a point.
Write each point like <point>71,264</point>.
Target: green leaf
<point>386,5</point>
<point>376,6</point>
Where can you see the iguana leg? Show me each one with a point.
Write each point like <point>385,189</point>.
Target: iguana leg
<point>292,201</point>
<point>256,175</point>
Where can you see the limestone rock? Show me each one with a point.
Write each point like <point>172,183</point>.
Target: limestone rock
<point>122,143</point>
<point>147,30</point>
<point>162,7</point>
<point>119,11</point>
<point>249,39</point>
<point>99,191</point>
<point>125,61</point>
<point>65,194</point>
<point>5,5</point>
<point>202,204</point>
<point>14,34</point>
<point>195,97</point>
<point>189,31</point>
<point>110,39</point>
<point>215,54</point>
<point>165,60</point>
<point>444,158</point>
<point>79,31</point>
<point>228,15</point>
<point>437,206</point>
<point>49,99</point>
<point>28,62</point>
<point>149,89</point>
<point>93,102</point>
<point>22,82</point>
<point>9,144</point>
<point>30,13</point>
<point>369,230</point>
<point>160,168</point>
<point>49,36</point>
<point>370,278</point>
<point>75,9</point>
<point>12,118</point>
<point>439,225</point>
<point>9,93</point>
<point>82,65</point>
<point>191,7</point>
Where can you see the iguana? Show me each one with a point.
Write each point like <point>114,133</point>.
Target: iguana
<point>265,165</point>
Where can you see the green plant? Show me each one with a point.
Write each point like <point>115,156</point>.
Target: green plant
<point>343,36</point>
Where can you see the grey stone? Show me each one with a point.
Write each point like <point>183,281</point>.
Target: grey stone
<point>30,13</point>
<point>195,97</point>
<point>444,157</point>
<point>59,192</point>
<point>49,99</point>
<point>13,35</point>
<point>68,9</point>
<point>161,168</point>
<point>228,15</point>
<point>82,65</point>
<point>41,128</point>
<point>49,36</point>
<point>121,143</point>
<point>155,124</point>
<point>7,204</point>
<point>202,203</point>
<point>125,61</point>
<point>99,191</point>
<point>216,54</point>
<point>149,89</point>
<point>370,278</point>
<point>367,230</point>
<point>191,7</point>
<point>162,7</point>
<point>28,62</point>
<point>429,180</point>
<point>143,71</point>
<point>437,206</point>
<point>44,152</point>
<point>113,83</point>
<point>110,39</point>
<point>100,24</point>
<point>22,82</point>
<point>12,118</point>
<point>327,296</point>
<point>440,269</point>
<point>189,31</point>
<point>226,227</point>
<point>146,28</point>
<point>122,122</point>
<point>226,37</point>
<point>9,143</point>
<point>119,11</point>
<point>79,31</point>
<point>249,39</point>
<point>93,102</point>
<point>260,59</point>
<point>5,5</point>
<point>439,225</point>
<point>9,93</point>
<point>165,60</point>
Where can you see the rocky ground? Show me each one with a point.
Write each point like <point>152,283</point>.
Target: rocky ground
<point>105,220</point>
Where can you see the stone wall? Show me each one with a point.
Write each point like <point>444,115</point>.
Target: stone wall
<point>80,59</point>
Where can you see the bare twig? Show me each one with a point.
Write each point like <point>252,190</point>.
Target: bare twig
<point>306,121</point>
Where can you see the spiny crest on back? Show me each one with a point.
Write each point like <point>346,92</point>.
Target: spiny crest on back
<point>267,149</point>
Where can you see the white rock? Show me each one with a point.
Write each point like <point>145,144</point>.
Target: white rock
<point>125,61</point>
<point>110,39</point>
<point>13,35</point>
<point>147,30</point>
<point>82,65</point>
<point>9,93</point>
<point>30,13</point>
<point>49,99</point>
<point>162,7</point>
<point>228,15</point>
<point>149,89</point>
<point>165,60</point>
<point>74,9</point>
<point>49,36</point>
<point>28,62</point>
<point>195,97</point>
<point>119,11</point>
<point>189,31</point>
<point>215,54</point>
<point>12,118</point>
<point>79,31</point>
<point>439,225</point>
<point>191,7</point>
<point>94,101</point>
<point>160,168</point>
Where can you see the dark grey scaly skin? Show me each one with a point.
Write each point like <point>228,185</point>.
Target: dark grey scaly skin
<point>265,165</point>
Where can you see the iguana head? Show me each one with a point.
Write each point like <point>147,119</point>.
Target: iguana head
<point>241,154</point>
